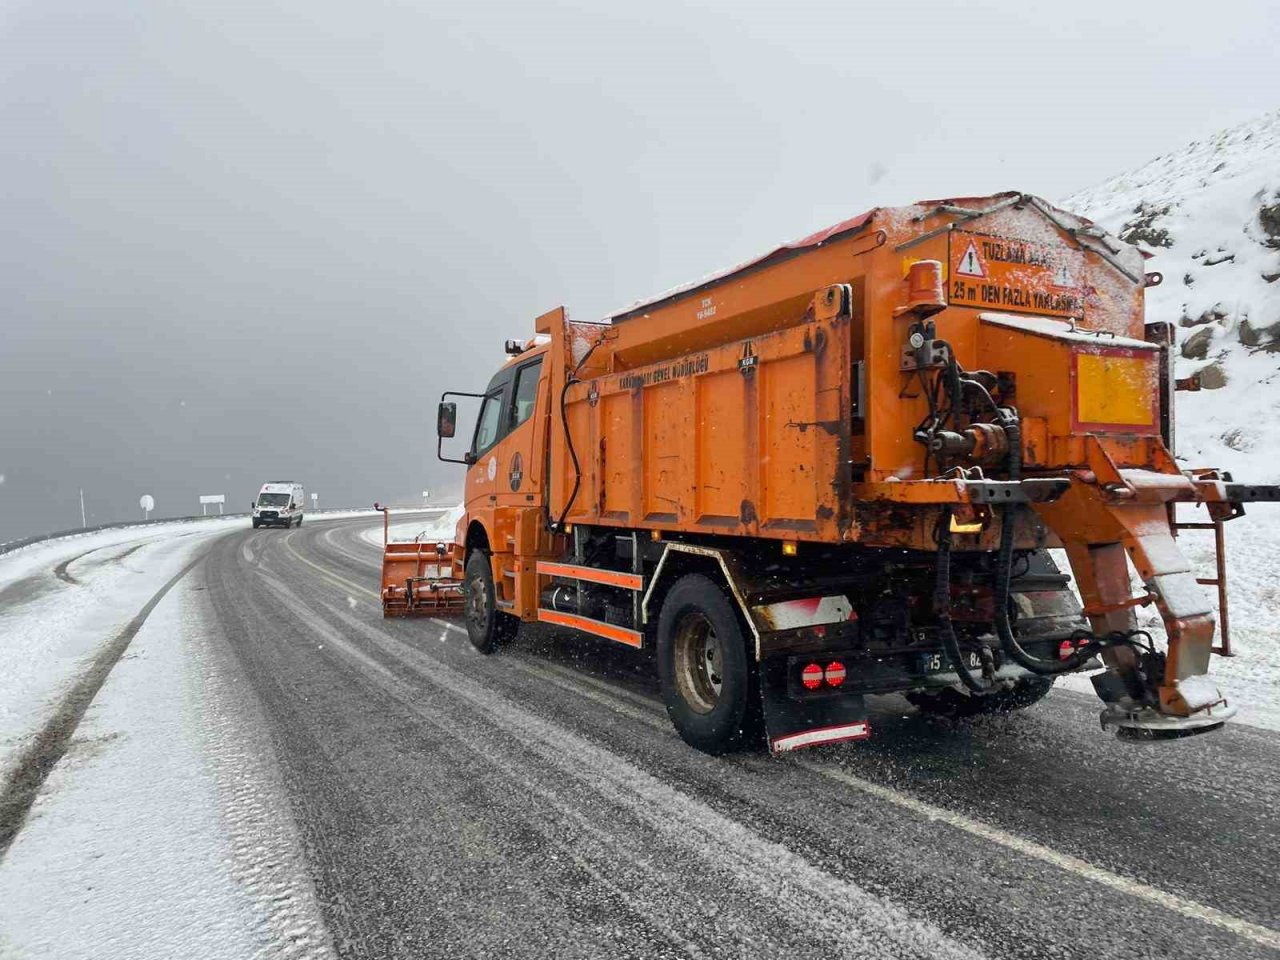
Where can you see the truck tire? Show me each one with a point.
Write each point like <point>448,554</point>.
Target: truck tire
<point>256,523</point>
<point>487,626</point>
<point>954,703</point>
<point>709,682</point>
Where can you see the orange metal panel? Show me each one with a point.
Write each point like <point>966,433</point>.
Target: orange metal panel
<point>789,421</point>
<point>722,480</point>
<point>666,448</point>
<point>619,450</point>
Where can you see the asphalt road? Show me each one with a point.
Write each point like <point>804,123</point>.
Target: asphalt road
<point>537,803</point>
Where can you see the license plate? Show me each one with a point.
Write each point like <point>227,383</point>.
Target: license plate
<point>939,662</point>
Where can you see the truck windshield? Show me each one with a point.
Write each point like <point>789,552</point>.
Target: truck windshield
<point>273,500</point>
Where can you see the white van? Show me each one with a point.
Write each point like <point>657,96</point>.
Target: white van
<point>279,503</point>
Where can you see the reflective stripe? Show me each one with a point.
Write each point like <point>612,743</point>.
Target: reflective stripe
<point>810,738</point>
<point>610,631</point>
<point>610,578</point>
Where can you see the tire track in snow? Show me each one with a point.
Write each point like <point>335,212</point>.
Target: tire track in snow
<point>60,571</point>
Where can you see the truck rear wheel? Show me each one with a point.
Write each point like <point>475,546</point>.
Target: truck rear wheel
<point>487,626</point>
<point>950,702</point>
<point>709,682</point>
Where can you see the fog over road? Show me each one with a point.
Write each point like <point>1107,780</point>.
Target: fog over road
<point>537,802</point>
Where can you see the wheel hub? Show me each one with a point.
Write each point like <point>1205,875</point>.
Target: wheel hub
<point>477,602</point>
<point>699,672</point>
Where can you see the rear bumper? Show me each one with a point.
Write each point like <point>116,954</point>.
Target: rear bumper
<point>801,715</point>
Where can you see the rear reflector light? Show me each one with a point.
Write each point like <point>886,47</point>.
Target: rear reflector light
<point>811,676</point>
<point>835,673</point>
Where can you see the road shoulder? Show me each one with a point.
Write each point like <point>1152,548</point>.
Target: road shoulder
<point>164,831</point>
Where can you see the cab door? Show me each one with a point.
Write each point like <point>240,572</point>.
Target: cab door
<point>519,468</point>
<point>482,477</point>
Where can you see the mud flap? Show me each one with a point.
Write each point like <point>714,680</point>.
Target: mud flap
<point>792,723</point>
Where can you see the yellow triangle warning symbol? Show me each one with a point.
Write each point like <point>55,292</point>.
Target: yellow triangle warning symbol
<point>970,263</point>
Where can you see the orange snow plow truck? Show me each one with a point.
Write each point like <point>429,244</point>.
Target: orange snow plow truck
<point>839,469</point>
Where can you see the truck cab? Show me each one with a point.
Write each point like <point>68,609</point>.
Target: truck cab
<point>506,489</point>
<point>278,504</point>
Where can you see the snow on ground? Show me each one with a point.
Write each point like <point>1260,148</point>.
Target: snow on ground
<point>1209,215</point>
<point>164,831</point>
<point>61,600</point>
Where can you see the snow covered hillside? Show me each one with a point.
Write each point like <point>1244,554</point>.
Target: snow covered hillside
<point>1209,215</point>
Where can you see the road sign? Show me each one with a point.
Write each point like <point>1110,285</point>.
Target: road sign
<point>147,503</point>
<point>218,498</point>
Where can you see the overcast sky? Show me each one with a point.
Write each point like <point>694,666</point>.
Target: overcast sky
<point>252,241</point>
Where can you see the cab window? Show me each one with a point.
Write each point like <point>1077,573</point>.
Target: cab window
<point>489,424</point>
<point>525,395</point>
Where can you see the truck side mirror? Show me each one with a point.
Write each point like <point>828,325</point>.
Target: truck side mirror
<point>447,420</point>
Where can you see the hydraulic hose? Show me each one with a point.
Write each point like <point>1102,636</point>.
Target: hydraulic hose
<point>953,385</point>
<point>942,606</point>
<point>569,381</point>
<point>573,454</point>
<point>1004,565</point>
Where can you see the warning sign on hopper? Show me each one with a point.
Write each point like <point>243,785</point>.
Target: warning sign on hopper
<point>1010,274</point>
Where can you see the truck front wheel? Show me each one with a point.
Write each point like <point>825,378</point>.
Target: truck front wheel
<point>487,626</point>
<point>709,682</point>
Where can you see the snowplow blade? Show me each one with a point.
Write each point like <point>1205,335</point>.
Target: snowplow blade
<point>417,580</point>
<point>417,577</point>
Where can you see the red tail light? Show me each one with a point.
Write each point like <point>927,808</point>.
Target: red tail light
<point>835,673</point>
<point>811,676</point>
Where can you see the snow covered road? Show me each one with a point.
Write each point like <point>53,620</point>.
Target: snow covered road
<point>329,780</point>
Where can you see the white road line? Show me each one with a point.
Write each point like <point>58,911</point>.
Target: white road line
<point>1258,934</point>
